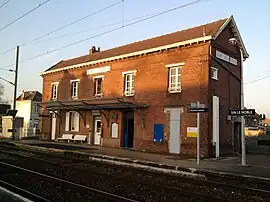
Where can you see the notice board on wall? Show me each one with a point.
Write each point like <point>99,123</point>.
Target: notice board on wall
<point>114,130</point>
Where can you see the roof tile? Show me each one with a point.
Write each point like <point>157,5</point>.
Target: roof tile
<point>183,35</point>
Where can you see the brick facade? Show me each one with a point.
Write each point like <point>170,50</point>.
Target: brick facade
<point>151,88</point>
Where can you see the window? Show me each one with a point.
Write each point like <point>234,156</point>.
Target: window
<point>129,82</point>
<point>36,109</point>
<point>54,91</point>
<point>72,121</point>
<point>98,84</point>
<point>175,79</point>
<point>74,88</point>
<point>214,73</point>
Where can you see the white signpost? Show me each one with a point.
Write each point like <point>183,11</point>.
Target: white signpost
<point>197,108</point>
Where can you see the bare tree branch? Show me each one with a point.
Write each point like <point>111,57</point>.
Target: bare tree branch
<point>2,90</point>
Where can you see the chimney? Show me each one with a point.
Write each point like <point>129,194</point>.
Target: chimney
<point>22,95</point>
<point>204,28</point>
<point>93,50</point>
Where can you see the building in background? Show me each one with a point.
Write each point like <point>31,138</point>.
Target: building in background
<point>3,110</point>
<point>254,125</point>
<point>137,95</point>
<point>28,106</point>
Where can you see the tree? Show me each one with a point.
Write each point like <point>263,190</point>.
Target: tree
<point>2,89</point>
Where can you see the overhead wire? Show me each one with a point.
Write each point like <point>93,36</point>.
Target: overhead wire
<point>4,69</point>
<point>85,30</point>
<point>5,3</point>
<point>6,80</point>
<point>7,51</point>
<point>34,41</point>
<point>259,79</point>
<point>112,30</point>
<point>76,21</point>
<point>12,22</point>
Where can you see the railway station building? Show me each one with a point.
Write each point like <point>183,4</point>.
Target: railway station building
<point>137,95</point>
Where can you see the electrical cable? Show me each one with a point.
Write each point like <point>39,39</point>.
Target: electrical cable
<point>112,30</point>
<point>7,25</point>
<point>4,3</point>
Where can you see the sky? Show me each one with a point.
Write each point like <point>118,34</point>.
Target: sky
<point>252,18</point>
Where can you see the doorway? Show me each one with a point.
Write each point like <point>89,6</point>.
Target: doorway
<point>128,136</point>
<point>237,136</point>
<point>175,135</point>
<point>53,131</point>
<point>97,130</point>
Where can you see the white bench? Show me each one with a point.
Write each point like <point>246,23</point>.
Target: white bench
<point>80,138</point>
<point>67,137</point>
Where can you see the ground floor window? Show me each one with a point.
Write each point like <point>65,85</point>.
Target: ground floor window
<point>72,121</point>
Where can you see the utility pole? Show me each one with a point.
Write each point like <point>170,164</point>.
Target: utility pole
<point>243,138</point>
<point>15,89</point>
<point>198,134</point>
<point>234,41</point>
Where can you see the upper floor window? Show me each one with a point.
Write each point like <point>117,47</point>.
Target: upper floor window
<point>98,85</point>
<point>54,90</point>
<point>175,79</point>
<point>214,73</point>
<point>74,88</point>
<point>129,83</point>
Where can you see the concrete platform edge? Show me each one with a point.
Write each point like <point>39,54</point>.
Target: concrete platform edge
<point>142,164</point>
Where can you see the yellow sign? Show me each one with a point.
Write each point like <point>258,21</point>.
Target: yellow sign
<point>192,132</point>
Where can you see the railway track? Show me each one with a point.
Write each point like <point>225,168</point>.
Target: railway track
<point>186,191</point>
<point>22,192</point>
<point>92,193</point>
<point>233,181</point>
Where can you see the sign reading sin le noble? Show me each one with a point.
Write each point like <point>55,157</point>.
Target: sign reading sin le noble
<point>242,112</point>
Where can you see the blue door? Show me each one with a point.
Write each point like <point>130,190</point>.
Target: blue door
<point>158,132</point>
<point>126,134</point>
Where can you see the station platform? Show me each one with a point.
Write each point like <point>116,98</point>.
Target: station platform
<point>258,164</point>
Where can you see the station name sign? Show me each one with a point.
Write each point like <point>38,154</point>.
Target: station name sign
<point>242,112</point>
<point>197,110</point>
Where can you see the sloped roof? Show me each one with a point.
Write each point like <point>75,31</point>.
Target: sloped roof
<point>210,30</point>
<point>30,95</point>
<point>183,35</point>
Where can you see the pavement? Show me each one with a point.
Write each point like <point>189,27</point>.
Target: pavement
<point>258,164</point>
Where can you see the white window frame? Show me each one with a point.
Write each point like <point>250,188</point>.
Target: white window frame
<point>72,119</point>
<point>75,92</point>
<point>129,91</point>
<point>177,79</point>
<point>214,73</point>
<point>36,109</point>
<point>54,90</point>
<point>95,79</point>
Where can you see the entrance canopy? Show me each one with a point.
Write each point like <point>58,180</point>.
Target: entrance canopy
<point>94,104</point>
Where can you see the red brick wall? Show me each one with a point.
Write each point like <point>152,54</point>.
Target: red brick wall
<point>151,84</point>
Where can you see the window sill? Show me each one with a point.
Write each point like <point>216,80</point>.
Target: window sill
<point>128,95</point>
<point>54,99</point>
<point>74,98</point>
<point>98,95</point>
<point>214,78</point>
<point>175,91</point>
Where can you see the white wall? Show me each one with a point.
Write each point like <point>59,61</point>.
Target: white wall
<point>24,110</point>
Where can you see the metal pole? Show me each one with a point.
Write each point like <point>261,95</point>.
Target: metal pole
<point>198,137</point>
<point>15,89</point>
<point>243,141</point>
